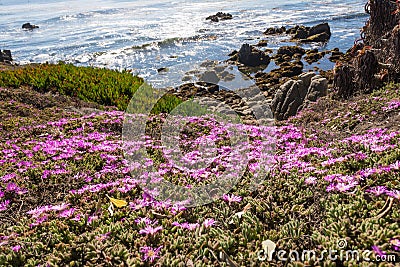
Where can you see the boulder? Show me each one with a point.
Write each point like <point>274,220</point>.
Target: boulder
<point>292,95</point>
<point>291,69</point>
<point>320,37</point>
<point>314,55</point>
<point>262,43</point>
<point>5,56</point>
<point>290,50</point>
<point>272,31</point>
<point>336,55</point>
<point>319,29</point>
<point>318,88</point>
<point>317,33</point>
<point>219,16</point>
<point>28,26</point>
<point>253,57</point>
<point>210,77</point>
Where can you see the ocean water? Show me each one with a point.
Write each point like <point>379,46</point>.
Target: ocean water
<point>150,34</point>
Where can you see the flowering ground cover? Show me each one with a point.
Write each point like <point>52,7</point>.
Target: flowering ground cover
<point>68,196</point>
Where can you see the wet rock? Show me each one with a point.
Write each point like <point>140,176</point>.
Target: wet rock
<point>162,70</point>
<point>272,31</point>
<point>314,56</point>
<point>290,50</point>
<point>301,33</point>
<point>210,77</point>
<point>28,26</point>
<point>291,69</point>
<point>262,43</point>
<point>320,28</point>
<point>220,16</point>
<point>317,33</point>
<point>251,56</point>
<point>320,37</point>
<point>5,56</point>
<point>336,55</point>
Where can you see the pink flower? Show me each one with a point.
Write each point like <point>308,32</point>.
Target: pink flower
<point>377,191</point>
<point>66,213</point>
<point>231,198</point>
<point>185,225</point>
<point>103,236</point>
<point>311,180</point>
<point>396,244</point>
<point>4,204</point>
<point>394,194</point>
<point>92,219</point>
<point>16,248</point>
<point>150,254</point>
<point>39,221</point>
<point>77,218</point>
<point>208,223</point>
<point>149,230</point>
<point>378,251</point>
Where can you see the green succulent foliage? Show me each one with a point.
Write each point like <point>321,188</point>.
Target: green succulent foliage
<point>103,86</point>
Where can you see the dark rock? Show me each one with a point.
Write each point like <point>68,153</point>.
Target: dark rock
<point>320,28</point>
<point>272,31</point>
<point>234,52</point>
<point>162,70</point>
<point>313,56</point>
<point>291,69</point>
<point>320,37</point>
<point>336,55</point>
<point>210,77</point>
<point>5,56</point>
<point>290,50</point>
<point>251,56</point>
<point>317,33</point>
<point>28,26</point>
<point>219,16</point>
<point>262,43</point>
<point>301,33</point>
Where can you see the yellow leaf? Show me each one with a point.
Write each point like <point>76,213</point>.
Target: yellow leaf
<point>118,202</point>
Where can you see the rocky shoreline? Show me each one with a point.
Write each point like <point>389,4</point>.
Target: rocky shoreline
<point>286,89</point>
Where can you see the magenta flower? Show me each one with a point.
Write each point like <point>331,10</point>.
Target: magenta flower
<point>66,213</point>
<point>150,254</point>
<point>396,244</point>
<point>310,180</point>
<point>4,204</point>
<point>39,221</point>
<point>208,223</point>
<point>146,221</point>
<point>394,194</point>
<point>149,230</point>
<point>378,190</point>
<point>378,251</point>
<point>91,219</point>
<point>16,248</point>
<point>231,198</point>
<point>103,237</point>
<point>188,226</point>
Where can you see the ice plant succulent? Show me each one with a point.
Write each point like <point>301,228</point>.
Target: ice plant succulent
<point>150,254</point>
